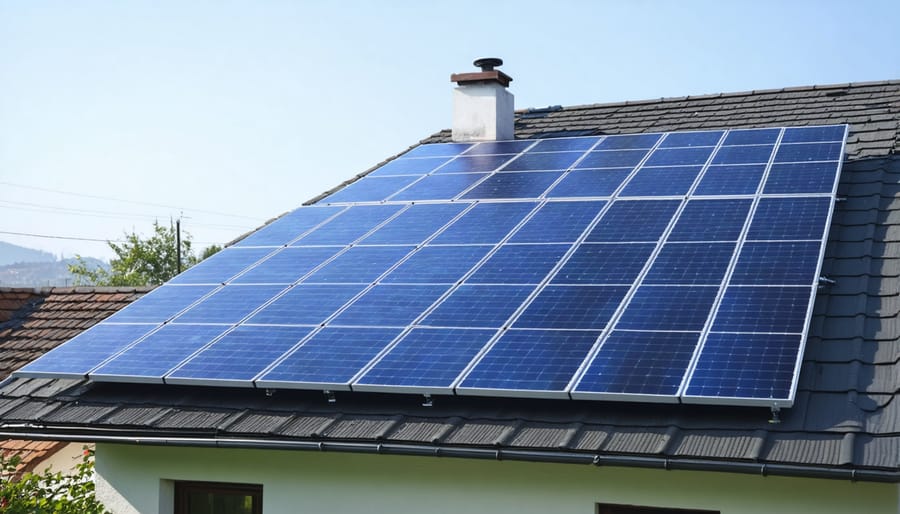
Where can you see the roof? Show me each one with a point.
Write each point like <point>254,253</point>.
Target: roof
<point>844,422</point>
<point>34,321</point>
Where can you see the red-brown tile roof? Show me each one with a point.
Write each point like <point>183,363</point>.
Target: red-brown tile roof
<point>34,321</point>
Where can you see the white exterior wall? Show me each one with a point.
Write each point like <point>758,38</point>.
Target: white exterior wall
<point>65,460</point>
<point>139,479</point>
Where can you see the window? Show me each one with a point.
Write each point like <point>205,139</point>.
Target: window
<point>217,498</point>
<point>605,508</point>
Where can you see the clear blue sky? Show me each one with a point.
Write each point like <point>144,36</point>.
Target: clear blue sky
<point>235,112</point>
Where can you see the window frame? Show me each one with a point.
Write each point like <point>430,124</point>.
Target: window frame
<point>184,488</point>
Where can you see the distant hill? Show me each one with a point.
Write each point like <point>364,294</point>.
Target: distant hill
<point>12,254</point>
<point>42,274</point>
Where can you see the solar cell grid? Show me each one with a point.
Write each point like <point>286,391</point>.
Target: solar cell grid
<point>589,183</point>
<point>371,189</point>
<point>530,360</point>
<point>290,226</point>
<point>158,353</point>
<point>530,184</point>
<point>558,222</point>
<point>426,358</point>
<point>640,363</point>
<point>700,295</point>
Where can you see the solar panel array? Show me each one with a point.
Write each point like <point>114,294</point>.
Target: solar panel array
<point>646,267</point>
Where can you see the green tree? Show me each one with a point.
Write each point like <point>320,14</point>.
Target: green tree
<point>141,262</point>
<point>49,492</point>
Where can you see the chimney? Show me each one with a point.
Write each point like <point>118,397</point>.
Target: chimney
<point>482,106</point>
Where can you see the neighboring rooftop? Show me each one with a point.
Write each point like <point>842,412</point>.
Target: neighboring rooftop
<point>34,321</point>
<point>844,423</point>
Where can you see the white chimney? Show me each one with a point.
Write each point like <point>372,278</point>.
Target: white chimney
<point>482,106</point>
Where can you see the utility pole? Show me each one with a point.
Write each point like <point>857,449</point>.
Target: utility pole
<point>178,243</point>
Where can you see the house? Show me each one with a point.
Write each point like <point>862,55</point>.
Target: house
<point>34,321</point>
<point>164,447</point>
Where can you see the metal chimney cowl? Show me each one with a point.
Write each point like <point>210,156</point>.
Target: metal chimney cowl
<point>483,107</point>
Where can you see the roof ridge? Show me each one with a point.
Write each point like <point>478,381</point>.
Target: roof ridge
<point>707,96</point>
<point>44,291</point>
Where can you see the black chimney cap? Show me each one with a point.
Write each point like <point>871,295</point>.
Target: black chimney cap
<point>488,63</point>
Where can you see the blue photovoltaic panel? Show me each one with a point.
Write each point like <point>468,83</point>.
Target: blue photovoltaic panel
<point>668,181</point>
<point>746,366</point>
<point>693,264</point>
<point>390,305</point>
<point>814,134</point>
<point>531,360</point>
<point>604,264</point>
<point>544,161</point>
<point>350,225</point>
<point>519,264</point>
<point>612,159</point>
<point>437,265</point>
<point>749,154</point>
<point>679,156</point>
<point>580,307</point>
<point>306,304</point>
<point>86,350</point>
<point>159,352</point>
<point>240,355</point>
<point>763,309</point>
<point>629,142</point>
<point>410,166</point>
<point>475,164</point>
<point>680,139</point>
<point>427,357</point>
<point>161,304</point>
<point>530,184</point>
<point>414,225</point>
<point>668,308</point>
<point>288,265</point>
<point>439,187</point>
<point>785,262</point>
<point>221,266</point>
<point>486,223</point>
<point>789,218</point>
<point>634,221</point>
<point>438,150</point>
<point>359,264</point>
<point>731,180</point>
<point>640,363</point>
<point>582,183</point>
<point>801,177</point>
<point>332,356</point>
<point>371,189</point>
<point>290,226</point>
<point>700,295</point>
<point>802,152</point>
<point>558,222</point>
<point>564,144</point>
<point>478,306</point>
<point>695,221</point>
<point>752,137</point>
<point>229,304</point>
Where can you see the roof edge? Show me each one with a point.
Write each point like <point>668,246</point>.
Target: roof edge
<point>101,435</point>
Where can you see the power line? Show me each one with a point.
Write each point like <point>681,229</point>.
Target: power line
<point>45,236</point>
<point>98,197</point>
<point>73,238</point>
<point>35,207</point>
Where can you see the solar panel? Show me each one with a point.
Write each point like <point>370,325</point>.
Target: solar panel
<point>677,267</point>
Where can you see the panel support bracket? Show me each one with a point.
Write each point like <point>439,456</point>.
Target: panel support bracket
<point>427,401</point>
<point>329,395</point>
<point>776,410</point>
